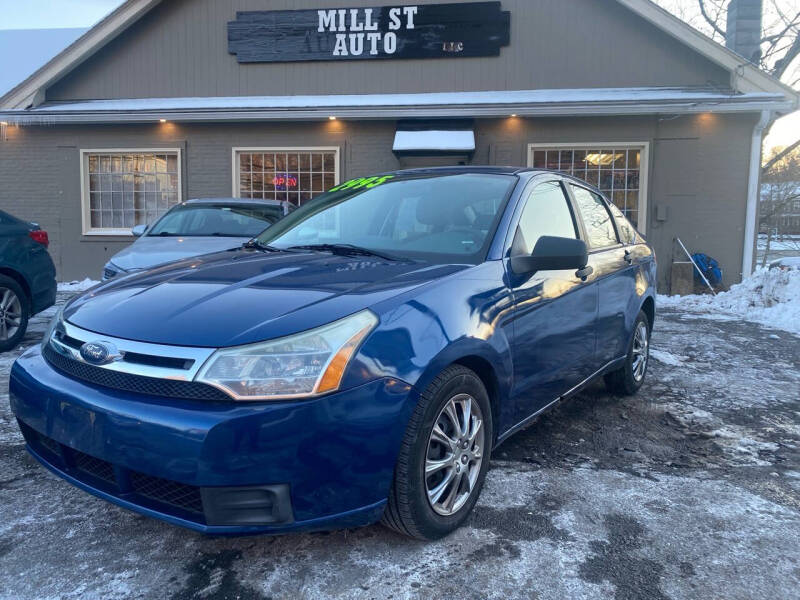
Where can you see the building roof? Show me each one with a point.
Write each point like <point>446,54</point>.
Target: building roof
<point>502,103</point>
<point>746,78</point>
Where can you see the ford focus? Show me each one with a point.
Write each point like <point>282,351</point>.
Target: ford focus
<point>356,362</point>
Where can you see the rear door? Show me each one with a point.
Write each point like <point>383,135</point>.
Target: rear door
<point>554,311</point>
<point>614,271</point>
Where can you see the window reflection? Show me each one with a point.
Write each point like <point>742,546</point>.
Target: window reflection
<point>616,172</point>
<point>596,218</point>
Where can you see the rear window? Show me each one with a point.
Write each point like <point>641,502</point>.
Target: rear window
<point>217,220</point>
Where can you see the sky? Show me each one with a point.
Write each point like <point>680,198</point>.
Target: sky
<point>48,14</point>
<point>45,14</point>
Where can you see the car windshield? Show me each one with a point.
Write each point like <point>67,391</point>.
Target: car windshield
<point>221,220</point>
<point>439,218</point>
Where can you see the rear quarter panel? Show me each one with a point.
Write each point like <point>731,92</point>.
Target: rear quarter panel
<point>22,255</point>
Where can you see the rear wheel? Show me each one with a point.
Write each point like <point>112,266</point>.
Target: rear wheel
<point>14,313</point>
<point>629,378</point>
<point>444,457</point>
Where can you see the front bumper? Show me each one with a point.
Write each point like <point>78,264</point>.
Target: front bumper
<point>323,463</point>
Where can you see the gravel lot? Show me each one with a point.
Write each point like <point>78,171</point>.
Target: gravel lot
<point>689,490</point>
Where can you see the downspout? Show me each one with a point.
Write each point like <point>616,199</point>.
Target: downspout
<point>754,179</point>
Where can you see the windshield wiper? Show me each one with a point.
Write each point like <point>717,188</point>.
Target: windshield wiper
<point>254,244</point>
<point>346,250</point>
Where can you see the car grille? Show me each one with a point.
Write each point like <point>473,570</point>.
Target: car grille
<point>169,492</point>
<point>137,384</point>
<point>89,469</point>
<point>93,466</point>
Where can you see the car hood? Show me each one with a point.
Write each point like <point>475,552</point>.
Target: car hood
<point>243,296</point>
<point>147,252</point>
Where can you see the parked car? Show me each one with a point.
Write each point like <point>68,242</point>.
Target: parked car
<point>27,277</point>
<point>787,262</point>
<point>359,361</point>
<point>195,227</point>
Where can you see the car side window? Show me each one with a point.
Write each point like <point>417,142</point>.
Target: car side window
<point>626,231</point>
<point>546,212</point>
<point>596,218</point>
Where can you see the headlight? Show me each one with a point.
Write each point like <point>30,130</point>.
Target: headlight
<point>52,326</point>
<point>304,364</point>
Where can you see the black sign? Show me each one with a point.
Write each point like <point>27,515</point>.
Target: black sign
<point>413,31</point>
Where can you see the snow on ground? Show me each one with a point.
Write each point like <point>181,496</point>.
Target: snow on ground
<point>77,286</point>
<point>770,297</point>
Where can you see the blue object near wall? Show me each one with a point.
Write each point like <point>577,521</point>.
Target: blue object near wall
<point>709,267</point>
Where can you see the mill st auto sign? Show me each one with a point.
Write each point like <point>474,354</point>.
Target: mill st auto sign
<point>412,31</point>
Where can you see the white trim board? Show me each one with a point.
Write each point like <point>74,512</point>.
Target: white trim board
<point>86,222</point>
<point>644,167</point>
<point>235,163</point>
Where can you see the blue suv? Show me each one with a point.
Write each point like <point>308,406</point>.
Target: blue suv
<point>358,361</point>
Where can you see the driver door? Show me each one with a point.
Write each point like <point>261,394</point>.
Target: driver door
<point>555,312</point>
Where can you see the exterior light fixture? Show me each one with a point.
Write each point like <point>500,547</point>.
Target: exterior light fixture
<point>162,120</point>
<point>513,114</point>
<point>332,118</point>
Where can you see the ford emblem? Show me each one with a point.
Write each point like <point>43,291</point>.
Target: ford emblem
<point>98,353</point>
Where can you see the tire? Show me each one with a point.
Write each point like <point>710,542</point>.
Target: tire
<point>15,311</point>
<point>627,380</point>
<point>410,509</point>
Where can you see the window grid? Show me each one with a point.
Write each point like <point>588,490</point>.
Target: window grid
<point>616,172</point>
<point>131,188</point>
<point>295,176</point>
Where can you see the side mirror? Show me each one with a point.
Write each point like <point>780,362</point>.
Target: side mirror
<point>139,230</point>
<point>553,254</point>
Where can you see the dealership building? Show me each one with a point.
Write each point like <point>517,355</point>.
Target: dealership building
<point>168,100</point>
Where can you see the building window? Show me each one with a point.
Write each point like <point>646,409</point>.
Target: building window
<point>123,189</point>
<point>290,174</point>
<point>619,170</point>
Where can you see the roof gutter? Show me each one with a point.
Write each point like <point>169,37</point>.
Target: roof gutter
<point>754,179</point>
<point>54,117</point>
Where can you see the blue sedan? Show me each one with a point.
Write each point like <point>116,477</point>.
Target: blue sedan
<point>358,361</point>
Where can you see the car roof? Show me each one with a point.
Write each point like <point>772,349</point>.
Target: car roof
<point>457,169</point>
<point>233,201</point>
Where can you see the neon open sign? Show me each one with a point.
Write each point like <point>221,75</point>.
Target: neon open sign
<point>284,182</point>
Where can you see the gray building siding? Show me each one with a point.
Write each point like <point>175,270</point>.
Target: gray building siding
<point>697,171</point>
<point>180,49</point>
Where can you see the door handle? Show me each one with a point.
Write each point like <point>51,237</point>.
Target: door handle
<point>583,274</point>
<point>628,257</point>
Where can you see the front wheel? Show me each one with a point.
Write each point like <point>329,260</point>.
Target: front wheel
<point>627,380</point>
<point>444,457</point>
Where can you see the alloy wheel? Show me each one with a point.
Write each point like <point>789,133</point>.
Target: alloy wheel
<point>640,351</point>
<point>454,454</point>
<point>10,313</point>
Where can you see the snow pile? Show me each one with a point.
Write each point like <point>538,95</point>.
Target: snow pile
<point>770,297</point>
<point>77,286</point>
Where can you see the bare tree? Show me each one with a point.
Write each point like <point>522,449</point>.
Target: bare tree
<point>780,42</point>
<point>779,210</point>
